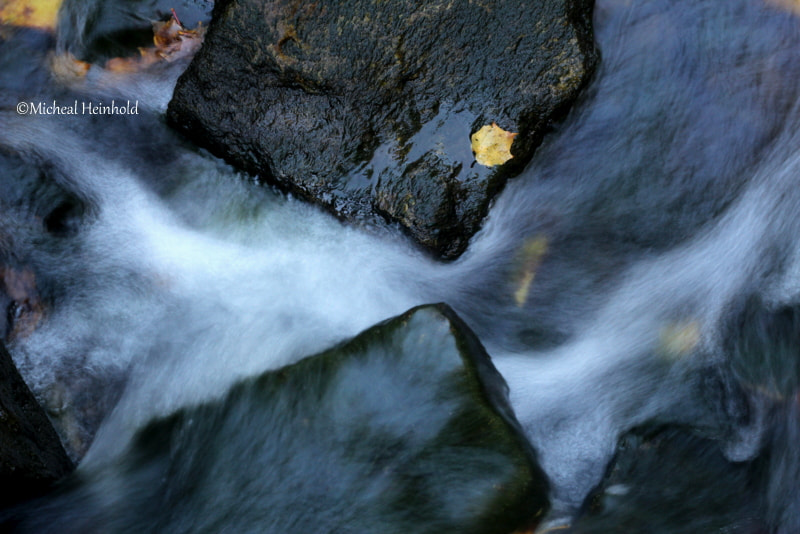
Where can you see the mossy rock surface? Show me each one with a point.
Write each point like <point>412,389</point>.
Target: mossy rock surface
<point>368,106</point>
<point>404,428</point>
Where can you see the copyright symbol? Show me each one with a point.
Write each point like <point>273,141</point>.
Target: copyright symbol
<point>22,108</point>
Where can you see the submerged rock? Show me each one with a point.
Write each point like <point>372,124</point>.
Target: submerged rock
<point>31,455</point>
<point>762,342</point>
<point>667,480</point>
<point>41,222</point>
<point>369,106</point>
<point>405,428</point>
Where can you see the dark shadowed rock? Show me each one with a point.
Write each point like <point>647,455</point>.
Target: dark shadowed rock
<point>667,480</point>
<point>763,345</point>
<point>368,106</point>
<point>405,428</point>
<point>31,456</point>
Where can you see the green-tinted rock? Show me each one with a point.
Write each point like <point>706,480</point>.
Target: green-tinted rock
<point>31,456</point>
<point>405,428</point>
<point>368,106</point>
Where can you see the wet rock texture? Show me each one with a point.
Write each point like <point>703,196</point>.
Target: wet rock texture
<point>667,480</point>
<point>31,455</point>
<point>404,428</point>
<point>368,106</point>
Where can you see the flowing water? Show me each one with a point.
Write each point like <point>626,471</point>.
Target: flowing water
<point>612,283</point>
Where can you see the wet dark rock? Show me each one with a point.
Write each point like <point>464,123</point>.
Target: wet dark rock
<point>79,400</point>
<point>31,455</point>
<point>369,106</point>
<point>405,428</point>
<point>667,480</point>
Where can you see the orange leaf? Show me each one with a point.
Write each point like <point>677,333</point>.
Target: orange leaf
<point>66,66</point>
<point>172,41</point>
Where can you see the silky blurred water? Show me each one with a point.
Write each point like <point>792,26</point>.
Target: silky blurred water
<point>667,197</point>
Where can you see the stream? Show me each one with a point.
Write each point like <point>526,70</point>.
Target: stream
<point>666,203</point>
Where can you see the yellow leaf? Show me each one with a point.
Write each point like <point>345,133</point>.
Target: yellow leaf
<point>33,13</point>
<point>679,339</point>
<point>492,145</point>
<point>530,257</point>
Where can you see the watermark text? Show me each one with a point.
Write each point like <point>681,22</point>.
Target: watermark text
<point>78,107</point>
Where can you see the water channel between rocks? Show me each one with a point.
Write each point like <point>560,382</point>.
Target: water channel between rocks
<point>641,274</point>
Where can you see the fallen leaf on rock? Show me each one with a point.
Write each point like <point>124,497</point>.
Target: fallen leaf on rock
<point>172,41</point>
<point>41,14</point>
<point>530,257</point>
<point>492,145</point>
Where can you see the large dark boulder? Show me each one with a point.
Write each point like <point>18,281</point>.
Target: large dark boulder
<point>368,106</point>
<point>405,428</point>
<point>31,455</point>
